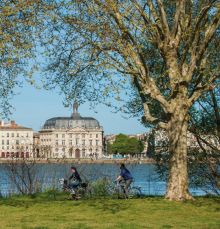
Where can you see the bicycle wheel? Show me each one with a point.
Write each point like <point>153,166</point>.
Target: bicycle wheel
<point>134,192</point>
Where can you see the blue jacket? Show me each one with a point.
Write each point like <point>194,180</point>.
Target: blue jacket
<point>126,174</point>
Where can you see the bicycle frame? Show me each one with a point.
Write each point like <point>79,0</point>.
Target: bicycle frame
<point>133,191</point>
<point>75,192</point>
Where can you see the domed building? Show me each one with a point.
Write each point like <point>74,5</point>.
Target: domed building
<point>71,137</point>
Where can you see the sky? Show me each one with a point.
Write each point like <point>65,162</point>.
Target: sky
<point>32,107</point>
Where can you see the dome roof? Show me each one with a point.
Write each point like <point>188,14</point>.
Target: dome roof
<point>71,122</point>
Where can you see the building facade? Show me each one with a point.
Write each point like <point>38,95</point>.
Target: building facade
<point>159,140</point>
<point>71,137</point>
<point>15,140</point>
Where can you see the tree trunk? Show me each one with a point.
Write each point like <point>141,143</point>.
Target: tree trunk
<point>177,187</point>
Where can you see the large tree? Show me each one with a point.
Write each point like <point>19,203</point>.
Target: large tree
<point>203,145</point>
<point>162,50</point>
<point>17,22</point>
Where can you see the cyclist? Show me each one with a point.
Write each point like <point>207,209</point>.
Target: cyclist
<point>125,176</point>
<point>75,179</point>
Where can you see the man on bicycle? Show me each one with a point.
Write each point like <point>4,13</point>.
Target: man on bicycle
<point>125,176</point>
<point>75,179</point>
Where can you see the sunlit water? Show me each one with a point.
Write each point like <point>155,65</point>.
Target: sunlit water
<point>144,175</point>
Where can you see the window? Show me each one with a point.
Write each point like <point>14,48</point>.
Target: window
<point>57,135</point>
<point>17,142</point>
<point>7,142</point>
<point>97,135</point>
<point>77,141</point>
<point>27,135</point>
<point>90,142</point>
<point>17,134</point>
<point>8,135</point>
<point>97,142</point>
<point>56,142</point>
<point>63,135</point>
<point>70,142</point>
<point>83,153</point>
<point>70,135</point>
<point>83,135</point>
<point>3,142</point>
<point>63,142</point>
<point>90,135</point>
<point>83,142</point>
<point>12,135</point>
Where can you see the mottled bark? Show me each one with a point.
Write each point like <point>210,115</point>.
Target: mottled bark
<point>177,187</point>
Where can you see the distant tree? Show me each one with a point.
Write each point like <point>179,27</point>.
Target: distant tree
<point>109,148</point>
<point>166,52</point>
<point>17,22</point>
<point>125,145</point>
<point>205,125</point>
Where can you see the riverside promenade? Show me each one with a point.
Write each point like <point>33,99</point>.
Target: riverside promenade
<point>78,161</point>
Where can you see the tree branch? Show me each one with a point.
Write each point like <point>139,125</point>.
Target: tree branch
<point>163,17</point>
<point>201,89</point>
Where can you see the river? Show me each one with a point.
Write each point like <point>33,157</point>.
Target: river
<point>144,175</point>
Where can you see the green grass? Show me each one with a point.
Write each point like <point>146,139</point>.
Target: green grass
<point>47,210</point>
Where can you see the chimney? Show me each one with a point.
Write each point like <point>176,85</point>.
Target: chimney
<point>13,123</point>
<point>1,123</point>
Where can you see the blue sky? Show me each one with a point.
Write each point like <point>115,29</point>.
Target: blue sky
<point>32,107</point>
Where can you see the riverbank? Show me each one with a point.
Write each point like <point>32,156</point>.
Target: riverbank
<point>78,161</point>
<point>48,211</point>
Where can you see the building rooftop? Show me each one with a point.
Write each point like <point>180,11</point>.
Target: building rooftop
<point>75,120</point>
<point>12,126</point>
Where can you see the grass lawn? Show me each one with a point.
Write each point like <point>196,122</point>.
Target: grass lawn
<point>43,212</point>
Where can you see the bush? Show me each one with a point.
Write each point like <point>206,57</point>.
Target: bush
<point>101,188</point>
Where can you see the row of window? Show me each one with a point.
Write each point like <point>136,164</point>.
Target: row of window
<point>45,140</point>
<point>83,150</point>
<point>7,142</point>
<point>15,135</point>
<point>77,142</point>
<point>17,142</point>
<point>15,154</point>
<point>14,147</point>
<point>73,135</point>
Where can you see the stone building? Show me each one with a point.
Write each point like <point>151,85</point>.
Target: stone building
<point>71,137</point>
<point>15,140</point>
<point>36,144</point>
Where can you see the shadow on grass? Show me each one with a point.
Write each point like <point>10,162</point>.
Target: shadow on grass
<point>109,204</point>
<point>30,200</point>
<point>112,206</point>
<point>205,202</point>
<point>105,204</point>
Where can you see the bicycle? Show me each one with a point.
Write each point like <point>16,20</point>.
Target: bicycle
<point>119,190</point>
<point>75,193</point>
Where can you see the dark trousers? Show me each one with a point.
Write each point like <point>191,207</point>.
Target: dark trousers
<point>73,185</point>
<point>127,185</point>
